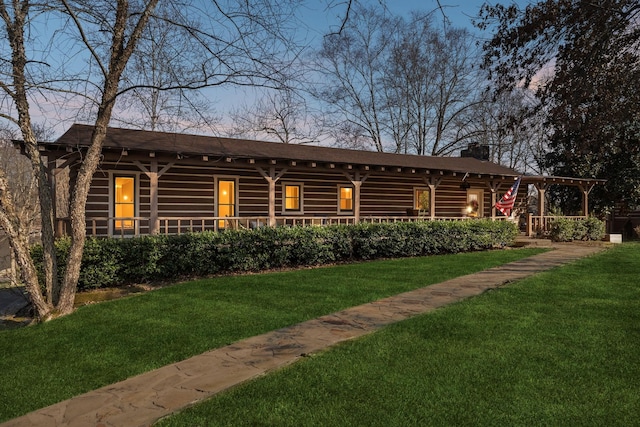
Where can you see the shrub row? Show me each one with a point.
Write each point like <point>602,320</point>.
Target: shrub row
<point>567,230</point>
<point>110,262</point>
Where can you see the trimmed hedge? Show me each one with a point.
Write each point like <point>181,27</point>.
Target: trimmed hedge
<point>112,262</point>
<point>567,230</point>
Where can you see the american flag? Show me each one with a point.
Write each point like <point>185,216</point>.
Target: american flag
<point>507,201</point>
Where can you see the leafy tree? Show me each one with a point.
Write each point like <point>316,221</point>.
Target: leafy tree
<point>591,101</point>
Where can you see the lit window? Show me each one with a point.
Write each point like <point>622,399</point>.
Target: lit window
<point>422,200</point>
<point>474,203</point>
<point>346,198</point>
<point>124,201</point>
<point>292,197</point>
<point>226,199</point>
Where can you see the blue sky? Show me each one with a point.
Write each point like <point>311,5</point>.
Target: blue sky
<point>459,12</point>
<point>321,20</point>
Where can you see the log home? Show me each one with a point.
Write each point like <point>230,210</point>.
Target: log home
<point>156,182</point>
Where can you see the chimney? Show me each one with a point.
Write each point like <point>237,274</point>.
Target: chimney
<point>475,150</point>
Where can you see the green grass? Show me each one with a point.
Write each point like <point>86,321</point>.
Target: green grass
<point>559,349</point>
<point>104,343</point>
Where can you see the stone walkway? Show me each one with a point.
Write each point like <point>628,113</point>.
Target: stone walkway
<point>143,399</point>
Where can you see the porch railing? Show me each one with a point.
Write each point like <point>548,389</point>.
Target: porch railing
<point>541,225</point>
<point>178,225</point>
<point>135,226</point>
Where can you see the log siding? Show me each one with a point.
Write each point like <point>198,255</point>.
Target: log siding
<point>176,178</point>
<point>188,191</point>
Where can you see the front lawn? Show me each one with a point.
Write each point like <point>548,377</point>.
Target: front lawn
<point>104,343</point>
<point>559,349</point>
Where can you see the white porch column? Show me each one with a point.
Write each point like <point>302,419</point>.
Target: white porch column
<point>357,180</point>
<point>433,183</point>
<point>494,186</point>
<point>154,175</point>
<point>272,177</point>
<point>542,189</point>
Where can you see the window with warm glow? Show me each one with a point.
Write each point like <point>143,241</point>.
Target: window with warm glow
<point>421,199</point>
<point>292,197</point>
<point>346,198</point>
<point>124,201</point>
<point>226,199</point>
<point>474,203</point>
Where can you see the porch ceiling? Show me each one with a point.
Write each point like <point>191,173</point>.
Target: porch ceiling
<point>560,180</point>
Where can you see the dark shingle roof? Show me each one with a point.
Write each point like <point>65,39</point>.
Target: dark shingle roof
<point>138,140</point>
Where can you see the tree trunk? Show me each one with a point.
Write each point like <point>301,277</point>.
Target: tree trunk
<point>121,51</point>
<point>20,247</point>
<point>19,236</point>
<point>78,220</point>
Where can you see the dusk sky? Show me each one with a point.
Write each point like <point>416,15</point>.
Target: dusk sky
<point>322,20</point>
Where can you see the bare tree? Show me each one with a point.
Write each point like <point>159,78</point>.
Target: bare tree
<point>512,130</point>
<point>20,181</point>
<point>352,66</point>
<point>158,63</point>
<point>282,115</point>
<point>432,86</point>
<point>406,85</point>
<point>85,58</point>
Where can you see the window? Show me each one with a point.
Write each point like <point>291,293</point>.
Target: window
<point>345,195</point>
<point>422,200</point>
<point>226,199</point>
<point>474,203</point>
<point>124,202</point>
<point>292,197</point>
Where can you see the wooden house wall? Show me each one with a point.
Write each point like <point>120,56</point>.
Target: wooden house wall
<point>189,191</point>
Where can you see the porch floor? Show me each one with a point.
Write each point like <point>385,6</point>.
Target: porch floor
<point>143,399</point>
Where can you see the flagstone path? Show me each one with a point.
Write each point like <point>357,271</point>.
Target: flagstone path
<point>143,399</point>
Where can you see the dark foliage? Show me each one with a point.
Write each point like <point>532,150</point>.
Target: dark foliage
<point>590,99</point>
<point>567,230</point>
<point>109,262</point>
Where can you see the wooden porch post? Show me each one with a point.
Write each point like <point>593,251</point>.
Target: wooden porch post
<point>272,177</point>
<point>433,183</point>
<point>153,196</point>
<point>585,198</point>
<point>154,175</point>
<point>357,182</point>
<point>542,188</point>
<point>494,186</point>
<point>356,200</point>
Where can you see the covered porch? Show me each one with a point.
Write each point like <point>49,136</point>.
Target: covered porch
<point>162,183</point>
<point>538,222</point>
